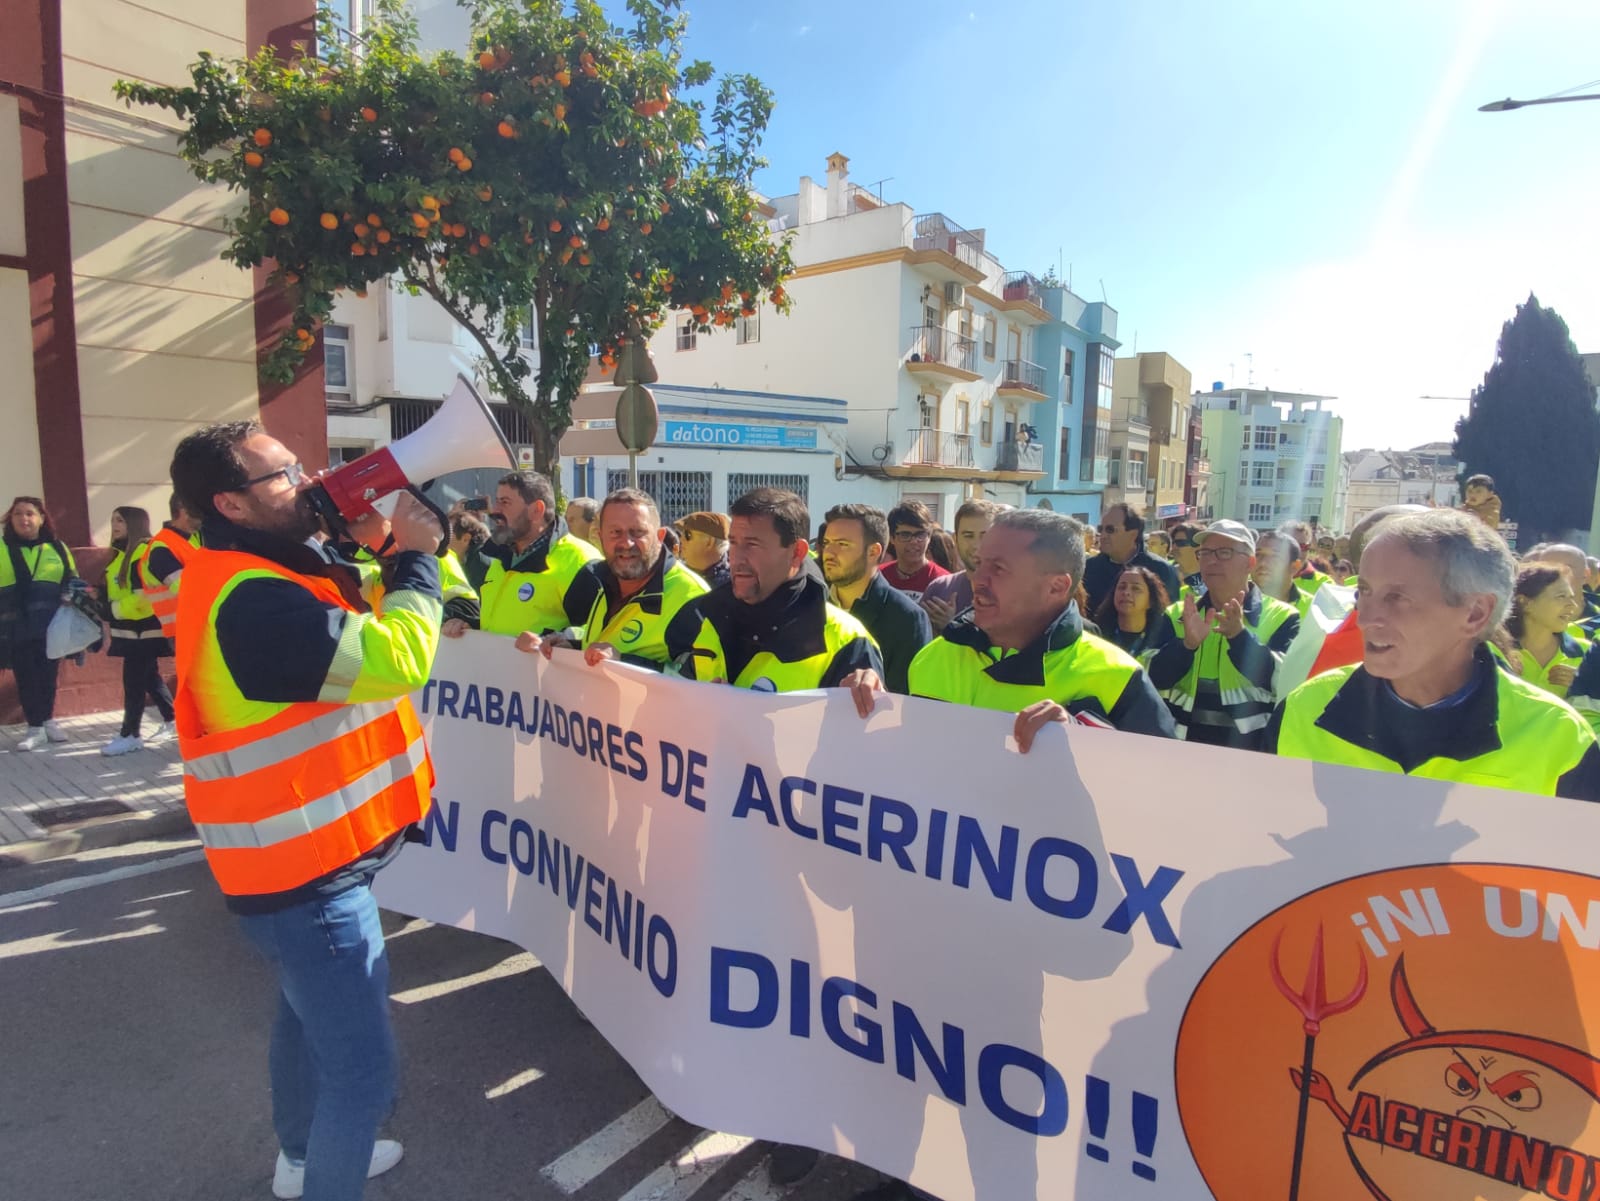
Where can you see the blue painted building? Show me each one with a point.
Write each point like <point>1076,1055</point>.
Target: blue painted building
<point>1076,349</point>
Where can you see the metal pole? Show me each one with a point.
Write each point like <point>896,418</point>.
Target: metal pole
<point>633,469</point>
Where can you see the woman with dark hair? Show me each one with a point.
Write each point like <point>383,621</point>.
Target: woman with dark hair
<point>1538,647</point>
<point>1134,615</point>
<point>34,571</point>
<point>136,636</point>
<point>942,550</point>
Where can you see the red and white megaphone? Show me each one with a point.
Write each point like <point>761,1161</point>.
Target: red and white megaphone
<point>463,434</point>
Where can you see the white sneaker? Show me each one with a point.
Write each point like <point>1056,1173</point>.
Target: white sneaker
<point>165,732</point>
<point>34,741</point>
<point>54,732</point>
<point>289,1178</point>
<point>123,744</point>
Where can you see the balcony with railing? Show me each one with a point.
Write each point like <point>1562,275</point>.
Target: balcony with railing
<point>1022,285</point>
<point>946,249</point>
<point>1026,458</point>
<point>1021,295</point>
<point>1022,380</point>
<point>938,351</point>
<point>929,447</point>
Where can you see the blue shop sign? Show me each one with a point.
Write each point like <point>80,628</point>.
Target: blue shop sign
<point>737,435</point>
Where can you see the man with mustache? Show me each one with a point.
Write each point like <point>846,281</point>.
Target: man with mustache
<point>623,604</point>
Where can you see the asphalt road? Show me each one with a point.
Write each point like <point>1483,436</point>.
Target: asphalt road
<point>133,1033</point>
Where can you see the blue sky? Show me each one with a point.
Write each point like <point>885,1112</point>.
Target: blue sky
<point>1310,185</point>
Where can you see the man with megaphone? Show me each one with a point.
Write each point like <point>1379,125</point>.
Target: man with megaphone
<point>304,763</point>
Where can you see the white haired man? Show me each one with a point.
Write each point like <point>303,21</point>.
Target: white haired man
<point>1427,698</point>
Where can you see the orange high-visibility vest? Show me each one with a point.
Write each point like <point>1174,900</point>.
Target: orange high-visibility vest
<point>281,794</point>
<point>163,594</point>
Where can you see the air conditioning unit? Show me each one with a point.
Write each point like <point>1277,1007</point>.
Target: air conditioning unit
<point>955,294</point>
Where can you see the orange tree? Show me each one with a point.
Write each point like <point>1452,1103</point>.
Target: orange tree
<point>565,168</point>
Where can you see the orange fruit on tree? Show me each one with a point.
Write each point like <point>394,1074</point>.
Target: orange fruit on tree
<point>506,129</point>
<point>357,249</point>
<point>384,235</point>
<point>528,239</point>
<point>361,229</point>
<point>486,192</point>
<point>559,112</point>
<point>486,60</point>
<point>564,77</point>
<point>575,241</point>
<point>483,239</point>
<point>373,220</point>
<point>430,202</point>
<point>369,114</point>
<point>252,159</point>
<point>646,228</point>
<point>280,217</point>
<point>420,220</point>
<point>263,137</point>
<point>473,249</point>
<point>464,164</point>
<point>289,277</point>
<point>456,155</point>
<point>584,260</point>
<point>555,227</point>
<point>328,221</point>
<point>566,257</point>
<point>603,224</point>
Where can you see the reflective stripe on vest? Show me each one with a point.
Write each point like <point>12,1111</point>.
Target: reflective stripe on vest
<point>163,594</point>
<point>1541,739</point>
<point>282,794</point>
<point>315,814</point>
<point>296,740</point>
<point>766,672</point>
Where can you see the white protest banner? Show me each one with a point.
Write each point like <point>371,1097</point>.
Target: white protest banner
<point>1114,967</point>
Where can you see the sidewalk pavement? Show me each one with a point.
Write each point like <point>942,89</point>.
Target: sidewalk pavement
<point>69,797</point>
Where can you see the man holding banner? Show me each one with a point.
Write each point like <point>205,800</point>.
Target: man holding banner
<point>1022,648</point>
<point>624,603</point>
<point>772,628</point>
<point>1427,699</point>
<point>304,763</point>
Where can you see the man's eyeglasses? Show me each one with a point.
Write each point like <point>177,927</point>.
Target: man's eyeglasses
<point>1220,554</point>
<point>912,535</point>
<point>294,473</point>
<point>1111,529</point>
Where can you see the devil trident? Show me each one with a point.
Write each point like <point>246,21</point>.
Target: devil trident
<point>1313,1005</point>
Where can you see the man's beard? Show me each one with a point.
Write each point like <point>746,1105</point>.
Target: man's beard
<point>296,524</point>
<point>847,576</point>
<point>632,569</point>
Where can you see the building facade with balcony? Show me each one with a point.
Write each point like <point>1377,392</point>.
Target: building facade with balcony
<point>1077,349</point>
<point>1197,469</point>
<point>920,348</point>
<point>1274,456</point>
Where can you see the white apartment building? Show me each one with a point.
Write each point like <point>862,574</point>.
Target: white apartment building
<point>1274,456</point>
<point>906,368</point>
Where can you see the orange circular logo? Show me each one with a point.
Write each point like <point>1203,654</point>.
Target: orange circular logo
<point>1418,1034</point>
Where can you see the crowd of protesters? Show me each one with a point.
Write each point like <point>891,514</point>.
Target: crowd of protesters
<point>1415,644</point>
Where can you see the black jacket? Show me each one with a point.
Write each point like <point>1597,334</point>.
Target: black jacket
<point>1100,575</point>
<point>897,624</point>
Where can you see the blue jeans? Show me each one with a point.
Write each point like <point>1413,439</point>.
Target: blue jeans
<point>333,1055</point>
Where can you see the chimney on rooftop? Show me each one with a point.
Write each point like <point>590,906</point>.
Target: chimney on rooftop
<point>838,192</point>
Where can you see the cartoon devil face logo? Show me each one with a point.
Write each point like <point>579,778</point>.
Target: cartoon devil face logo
<point>1466,1113</point>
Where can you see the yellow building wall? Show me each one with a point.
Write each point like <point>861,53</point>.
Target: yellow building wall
<point>166,330</point>
<point>20,473</point>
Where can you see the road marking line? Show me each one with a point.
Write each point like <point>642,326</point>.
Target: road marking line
<point>520,1080</point>
<point>605,1147</point>
<point>76,883</point>
<point>511,966</point>
<point>681,1180</point>
<point>756,1185</point>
